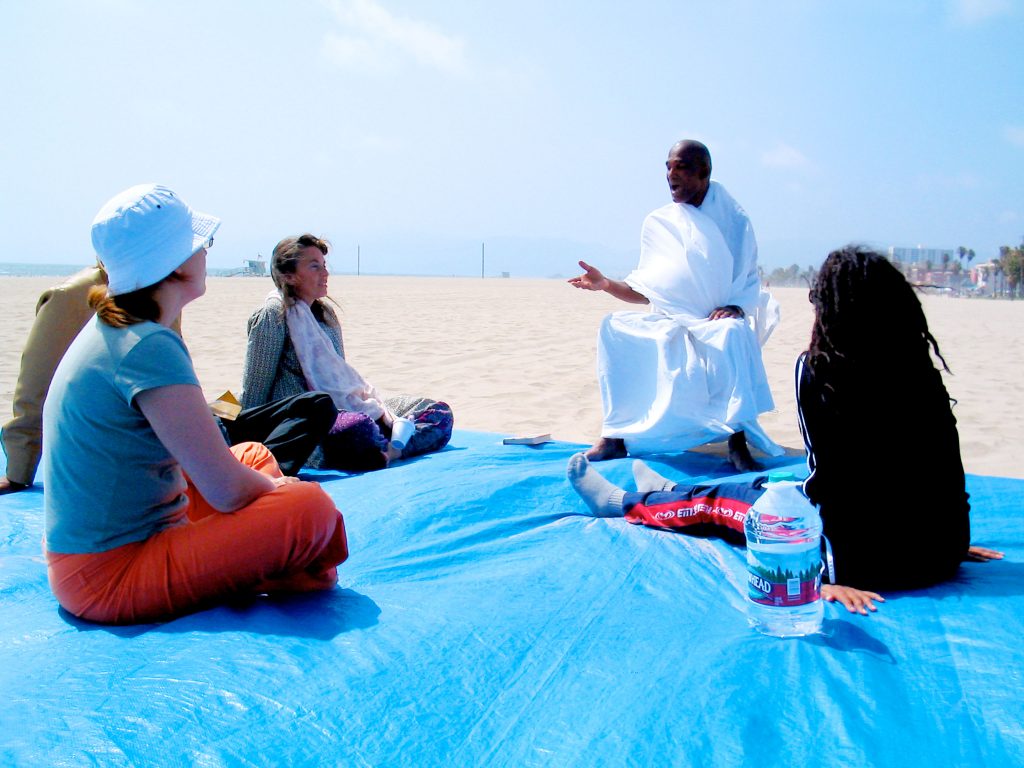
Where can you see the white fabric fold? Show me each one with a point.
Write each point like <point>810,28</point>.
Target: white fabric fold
<point>326,370</point>
<point>671,379</point>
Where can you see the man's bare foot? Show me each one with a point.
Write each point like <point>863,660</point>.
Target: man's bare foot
<point>9,486</point>
<point>607,448</point>
<point>739,453</point>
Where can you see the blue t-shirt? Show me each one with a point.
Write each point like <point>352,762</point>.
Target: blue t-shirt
<point>108,480</point>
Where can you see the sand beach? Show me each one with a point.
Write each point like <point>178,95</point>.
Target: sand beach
<point>517,355</point>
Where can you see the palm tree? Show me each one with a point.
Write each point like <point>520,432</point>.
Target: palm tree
<point>997,274</point>
<point>970,258</point>
<point>1011,262</point>
<point>958,275</point>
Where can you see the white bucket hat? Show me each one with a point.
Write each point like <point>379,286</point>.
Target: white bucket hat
<point>145,233</point>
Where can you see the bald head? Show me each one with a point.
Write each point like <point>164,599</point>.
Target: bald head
<point>688,170</point>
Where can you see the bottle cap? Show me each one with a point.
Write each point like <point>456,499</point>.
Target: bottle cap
<point>778,476</point>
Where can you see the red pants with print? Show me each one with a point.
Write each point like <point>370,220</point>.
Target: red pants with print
<point>289,540</point>
<point>709,509</point>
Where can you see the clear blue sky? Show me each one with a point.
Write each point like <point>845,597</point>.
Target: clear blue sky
<point>419,130</point>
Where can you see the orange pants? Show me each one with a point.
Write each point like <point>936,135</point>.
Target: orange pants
<point>289,540</point>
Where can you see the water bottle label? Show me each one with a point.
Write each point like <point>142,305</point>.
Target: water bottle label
<point>784,579</point>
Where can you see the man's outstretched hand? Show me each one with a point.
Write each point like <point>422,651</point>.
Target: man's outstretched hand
<point>592,279</point>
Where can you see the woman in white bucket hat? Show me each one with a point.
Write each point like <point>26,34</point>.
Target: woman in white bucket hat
<point>149,515</point>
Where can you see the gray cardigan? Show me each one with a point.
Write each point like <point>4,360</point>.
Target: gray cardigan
<point>272,369</point>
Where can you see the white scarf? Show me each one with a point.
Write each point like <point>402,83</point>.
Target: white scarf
<point>325,370</point>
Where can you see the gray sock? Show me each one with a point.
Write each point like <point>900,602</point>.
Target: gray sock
<point>603,498</point>
<point>648,480</point>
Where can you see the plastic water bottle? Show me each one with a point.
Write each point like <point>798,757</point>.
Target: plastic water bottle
<point>784,560</point>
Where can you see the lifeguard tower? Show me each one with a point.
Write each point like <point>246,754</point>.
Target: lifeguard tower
<point>255,267</point>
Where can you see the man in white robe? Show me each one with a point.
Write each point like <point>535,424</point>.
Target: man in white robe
<point>688,371</point>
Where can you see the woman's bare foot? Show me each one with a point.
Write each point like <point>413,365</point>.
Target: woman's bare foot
<point>739,453</point>
<point>607,448</point>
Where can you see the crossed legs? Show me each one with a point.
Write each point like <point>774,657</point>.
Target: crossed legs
<point>289,540</point>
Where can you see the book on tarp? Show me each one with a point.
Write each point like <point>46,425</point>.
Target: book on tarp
<point>527,439</point>
<point>226,406</point>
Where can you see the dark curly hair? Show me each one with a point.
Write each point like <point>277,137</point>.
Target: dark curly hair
<point>880,427</point>
<point>868,323</point>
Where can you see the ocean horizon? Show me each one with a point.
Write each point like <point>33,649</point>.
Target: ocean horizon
<point>15,269</point>
<point>11,269</point>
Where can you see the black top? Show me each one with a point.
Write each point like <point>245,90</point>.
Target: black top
<point>888,479</point>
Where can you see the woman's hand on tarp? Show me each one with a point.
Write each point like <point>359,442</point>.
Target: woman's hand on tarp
<point>854,600</point>
<point>983,554</point>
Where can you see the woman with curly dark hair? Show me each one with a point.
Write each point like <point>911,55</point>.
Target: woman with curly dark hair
<point>882,444</point>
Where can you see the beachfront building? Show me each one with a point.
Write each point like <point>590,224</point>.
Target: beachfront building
<point>921,255</point>
<point>935,267</point>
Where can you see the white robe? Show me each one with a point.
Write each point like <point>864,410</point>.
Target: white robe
<point>670,378</point>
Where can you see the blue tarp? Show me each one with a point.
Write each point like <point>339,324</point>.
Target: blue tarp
<point>481,620</point>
